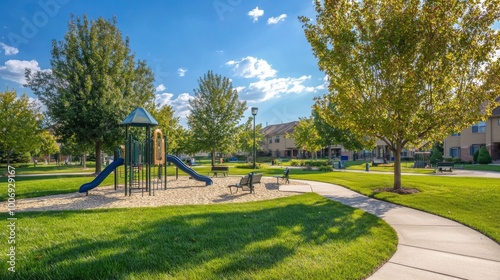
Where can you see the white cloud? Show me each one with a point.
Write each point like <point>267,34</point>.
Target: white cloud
<point>179,104</point>
<point>251,67</point>
<point>274,20</point>
<point>13,70</point>
<point>323,86</point>
<point>274,88</point>
<point>8,50</point>
<point>256,13</point>
<point>239,89</point>
<point>161,87</point>
<point>181,72</point>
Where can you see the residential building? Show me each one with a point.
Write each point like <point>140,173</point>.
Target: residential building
<point>277,142</point>
<point>465,143</point>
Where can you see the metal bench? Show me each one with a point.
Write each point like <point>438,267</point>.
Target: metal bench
<point>219,169</point>
<point>284,177</point>
<point>444,166</point>
<point>246,183</point>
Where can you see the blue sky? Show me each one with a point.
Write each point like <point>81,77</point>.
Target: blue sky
<point>260,45</point>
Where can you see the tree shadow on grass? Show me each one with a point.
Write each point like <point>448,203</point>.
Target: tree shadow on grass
<point>183,242</point>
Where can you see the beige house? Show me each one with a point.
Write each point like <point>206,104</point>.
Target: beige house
<point>464,144</point>
<point>276,142</point>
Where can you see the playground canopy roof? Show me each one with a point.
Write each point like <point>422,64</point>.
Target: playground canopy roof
<point>139,117</point>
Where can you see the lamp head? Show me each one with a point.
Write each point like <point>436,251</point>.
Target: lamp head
<point>254,111</point>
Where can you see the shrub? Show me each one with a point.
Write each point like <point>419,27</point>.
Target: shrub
<point>295,162</point>
<point>436,156</point>
<point>447,159</point>
<point>483,156</point>
<point>325,168</point>
<point>258,165</point>
<point>264,159</point>
<point>476,154</point>
<point>315,163</point>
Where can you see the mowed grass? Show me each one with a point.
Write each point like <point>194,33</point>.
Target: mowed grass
<point>36,186</point>
<point>299,237</point>
<point>472,201</point>
<point>42,168</point>
<point>405,168</point>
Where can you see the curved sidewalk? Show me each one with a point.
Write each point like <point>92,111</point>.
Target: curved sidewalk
<point>429,247</point>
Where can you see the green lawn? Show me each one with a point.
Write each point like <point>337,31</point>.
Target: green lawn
<point>35,186</point>
<point>302,237</point>
<point>481,167</point>
<point>471,201</point>
<point>468,200</point>
<point>405,168</point>
<point>299,237</point>
<point>53,168</point>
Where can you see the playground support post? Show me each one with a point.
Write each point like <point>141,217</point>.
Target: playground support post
<point>115,157</point>
<point>127,157</point>
<point>165,160</point>
<point>148,157</point>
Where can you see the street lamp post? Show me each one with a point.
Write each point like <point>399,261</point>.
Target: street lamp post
<point>254,113</point>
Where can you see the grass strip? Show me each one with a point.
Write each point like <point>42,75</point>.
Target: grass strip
<point>299,237</point>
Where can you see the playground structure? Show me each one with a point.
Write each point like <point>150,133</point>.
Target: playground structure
<point>139,157</point>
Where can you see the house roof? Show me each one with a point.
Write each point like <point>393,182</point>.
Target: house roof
<point>279,129</point>
<point>496,111</point>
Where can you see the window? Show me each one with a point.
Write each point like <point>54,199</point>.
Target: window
<point>404,153</point>
<point>277,139</point>
<point>270,140</point>
<point>498,122</point>
<point>474,148</point>
<point>480,127</point>
<point>455,152</point>
<point>455,134</point>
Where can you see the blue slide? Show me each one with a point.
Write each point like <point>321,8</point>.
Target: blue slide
<point>182,166</point>
<point>88,186</point>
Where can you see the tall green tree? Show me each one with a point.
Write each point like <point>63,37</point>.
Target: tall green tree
<point>306,136</point>
<point>93,84</point>
<point>406,72</point>
<point>215,113</point>
<point>20,124</point>
<point>245,136</point>
<point>332,135</point>
<point>48,145</point>
<point>169,126</point>
<point>71,147</point>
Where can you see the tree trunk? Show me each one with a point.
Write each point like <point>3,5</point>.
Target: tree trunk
<point>8,158</point>
<point>329,153</point>
<point>98,147</point>
<point>397,167</point>
<point>213,157</point>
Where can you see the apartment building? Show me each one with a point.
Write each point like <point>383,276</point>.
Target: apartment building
<point>276,142</point>
<point>464,144</point>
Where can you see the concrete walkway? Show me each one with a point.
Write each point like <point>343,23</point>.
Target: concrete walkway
<point>430,247</point>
